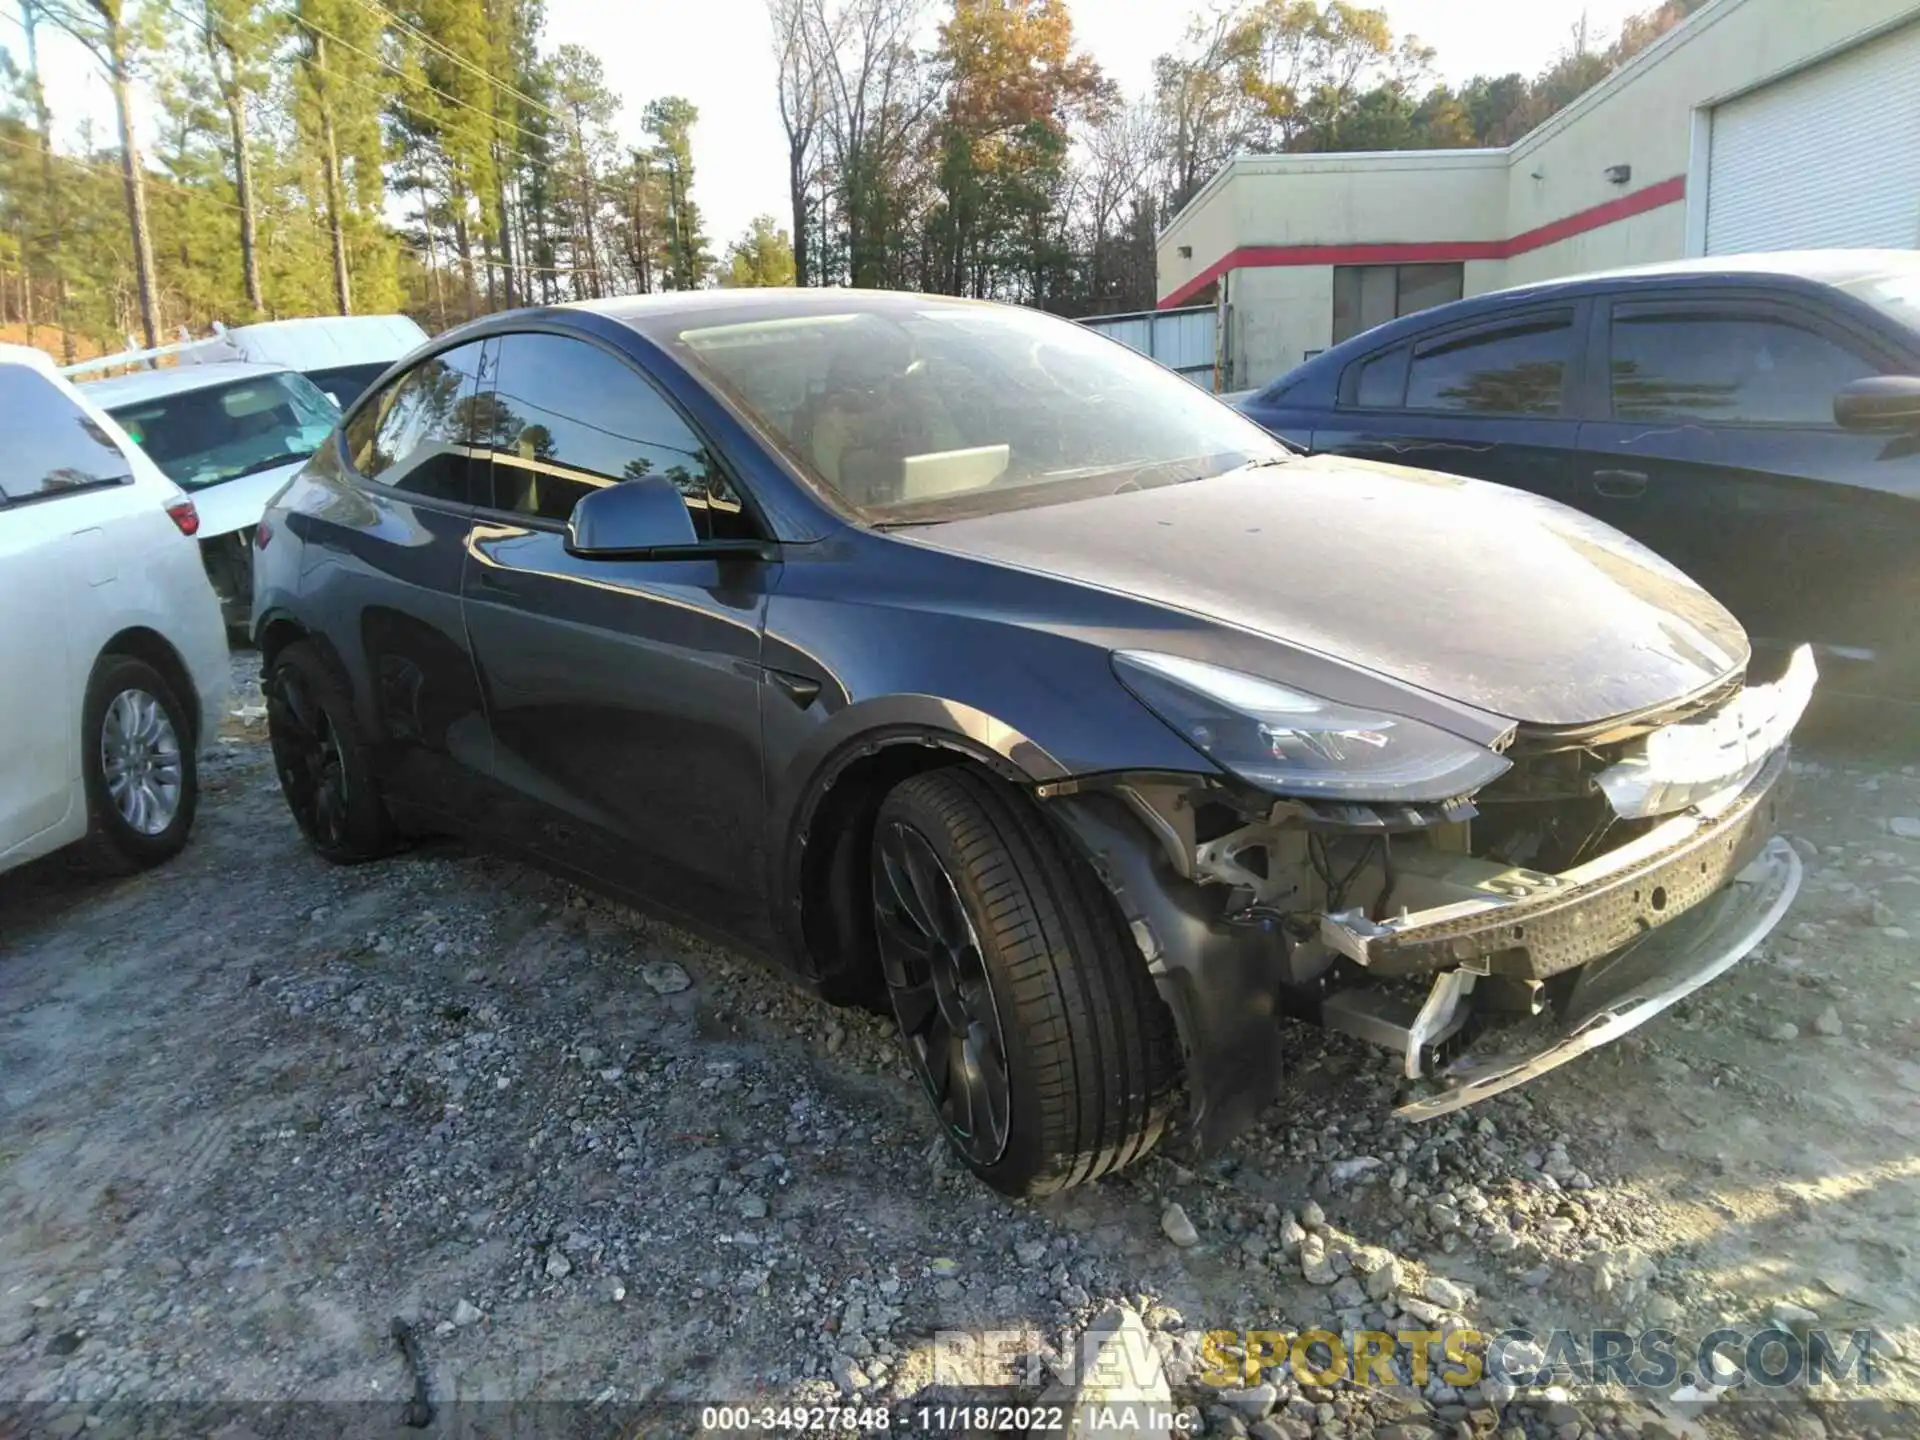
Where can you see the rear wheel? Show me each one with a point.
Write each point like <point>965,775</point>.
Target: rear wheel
<point>1025,1009</point>
<point>141,780</point>
<point>325,771</point>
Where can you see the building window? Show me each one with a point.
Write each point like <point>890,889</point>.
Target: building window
<point>1368,295</point>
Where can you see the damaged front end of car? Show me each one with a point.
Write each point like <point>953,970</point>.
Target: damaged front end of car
<point>1581,883</point>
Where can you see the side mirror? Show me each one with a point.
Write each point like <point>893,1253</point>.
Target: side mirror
<point>1879,402</point>
<point>633,520</point>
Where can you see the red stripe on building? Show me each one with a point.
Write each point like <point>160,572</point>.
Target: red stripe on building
<point>1435,252</point>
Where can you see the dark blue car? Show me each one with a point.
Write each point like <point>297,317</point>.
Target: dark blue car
<point>952,657</point>
<point>1755,419</point>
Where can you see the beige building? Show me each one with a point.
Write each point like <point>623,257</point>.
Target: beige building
<point>1756,125</point>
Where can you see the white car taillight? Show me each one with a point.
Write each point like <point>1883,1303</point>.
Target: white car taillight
<point>182,513</point>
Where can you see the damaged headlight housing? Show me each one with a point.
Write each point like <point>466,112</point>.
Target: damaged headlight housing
<point>1297,744</point>
<point>1683,764</point>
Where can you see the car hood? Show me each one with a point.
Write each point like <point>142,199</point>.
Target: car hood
<point>1488,597</point>
<point>235,504</point>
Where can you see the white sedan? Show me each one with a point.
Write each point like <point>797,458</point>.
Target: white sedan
<point>111,645</point>
<point>229,434</point>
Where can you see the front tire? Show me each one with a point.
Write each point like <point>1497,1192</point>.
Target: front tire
<point>142,782</point>
<point>1025,1008</point>
<point>325,771</point>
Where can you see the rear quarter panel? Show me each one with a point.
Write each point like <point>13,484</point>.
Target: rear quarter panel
<point>144,573</point>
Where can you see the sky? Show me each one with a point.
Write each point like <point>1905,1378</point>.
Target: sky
<point>718,54</point>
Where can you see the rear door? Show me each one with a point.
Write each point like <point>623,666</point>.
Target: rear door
<point>1492,398</point>
<point>383,563</point>
<point>59,472</point>
<point>624,695</point>
<point>1718,449</point>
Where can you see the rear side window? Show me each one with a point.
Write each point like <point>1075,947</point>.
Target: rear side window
<point>1377,383</point>
<point>570,419</point>
<point>419,435</point>
<point>1514,369</point>
<point>52,447</point>
<point>1725,367</point>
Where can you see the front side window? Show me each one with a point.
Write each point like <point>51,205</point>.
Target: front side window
<point>914,410</point>
<point>52,446</point>
<point>208,436</point>
<point>568,419</point>
<point>1516,369</point>
<point>420,433</point>
<point>1725,368</point>
<point>1368,295</point>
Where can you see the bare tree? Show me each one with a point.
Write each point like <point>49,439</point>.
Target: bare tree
<point>877,95</point>
<point>1202,103</point>
<point>798,53</point>
<point>1114,182</point>
<point>220,24</point>
<point>101,26</point>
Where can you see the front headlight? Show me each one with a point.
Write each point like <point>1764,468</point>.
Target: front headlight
<point>1295,744</point>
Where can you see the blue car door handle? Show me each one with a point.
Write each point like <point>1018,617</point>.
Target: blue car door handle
<point>1620,484</point>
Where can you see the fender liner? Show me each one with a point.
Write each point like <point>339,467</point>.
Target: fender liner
<point>1221,980</point>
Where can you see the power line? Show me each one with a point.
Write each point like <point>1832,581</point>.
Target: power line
<point>420,81</point>
<point>604,187</point>
<point>269,216</point>
<point>158,181</point>
<point>376,8</point>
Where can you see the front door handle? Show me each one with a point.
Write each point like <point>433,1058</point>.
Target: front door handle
<point>802,690</point>
<point>1620,484</point>
<point>494,579</point>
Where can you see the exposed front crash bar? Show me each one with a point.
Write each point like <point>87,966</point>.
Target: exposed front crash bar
<point>1533,925</point>
<point>1615,994</point>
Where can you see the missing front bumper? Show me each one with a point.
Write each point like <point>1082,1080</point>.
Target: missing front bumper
<point>1533,925</point>
<point>1622,991</point>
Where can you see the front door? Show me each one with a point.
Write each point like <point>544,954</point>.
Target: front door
<point>1720,451</point>
<point>623,695</point>
<point>383,561</point>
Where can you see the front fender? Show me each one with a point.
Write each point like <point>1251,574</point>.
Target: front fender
<point>867,726</point>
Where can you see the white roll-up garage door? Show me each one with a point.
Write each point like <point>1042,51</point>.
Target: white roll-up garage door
<point>1828,156</point>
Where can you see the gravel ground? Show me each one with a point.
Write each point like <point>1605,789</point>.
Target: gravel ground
<point>252,1107</point>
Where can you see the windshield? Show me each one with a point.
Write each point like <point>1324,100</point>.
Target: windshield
<point>921,410</point>
<point>202,437</point>
<point>345,383</point>
<point>1896,292</point>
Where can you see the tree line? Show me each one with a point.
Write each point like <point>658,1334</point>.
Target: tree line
<point>321,156</point>
<point>999,162</point>
<point>434,156</point>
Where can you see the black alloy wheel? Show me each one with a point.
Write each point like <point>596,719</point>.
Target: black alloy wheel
<point>1024,1005</point>
<point>307,752</point>
<point>324,772</point>
<point>941,992</point>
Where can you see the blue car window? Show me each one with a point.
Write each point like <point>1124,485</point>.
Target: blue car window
<point>1729,369</point>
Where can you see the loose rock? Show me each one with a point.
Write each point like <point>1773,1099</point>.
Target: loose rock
<point>1178,1228</point>
<point>663,977</point>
